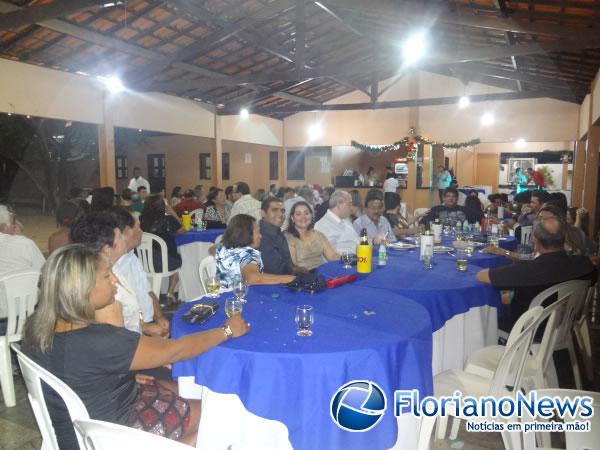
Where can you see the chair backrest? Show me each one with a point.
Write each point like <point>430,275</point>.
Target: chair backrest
<point>526,233</point>
<point>197,215</point>
<point>208,268</point>
<point>34,374</point>
<point>145,252</point>
<point>21,289</point>
<point>575,440</point>
<point>508,374</point>
<point>419,211</point>
<point>99,435</point>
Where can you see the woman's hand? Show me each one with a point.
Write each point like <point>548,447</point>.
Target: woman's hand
<point>238,326</point>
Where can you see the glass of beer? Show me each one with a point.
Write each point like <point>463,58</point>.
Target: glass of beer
<point>233,307</point>
<point>304,319</point>
<point>213,286</point>
<point>462,260</point>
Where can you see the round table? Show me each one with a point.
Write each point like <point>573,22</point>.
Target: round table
<point>359,334</point>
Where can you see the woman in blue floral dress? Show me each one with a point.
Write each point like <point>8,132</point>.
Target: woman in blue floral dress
<point>238,258</point>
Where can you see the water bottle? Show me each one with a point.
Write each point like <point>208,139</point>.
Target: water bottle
<point>466,226</point>
<point>427,249</point>
<point>458,227</point>
<point>382,255</point>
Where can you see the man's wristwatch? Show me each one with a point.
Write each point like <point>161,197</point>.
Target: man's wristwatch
<point>228,332</point>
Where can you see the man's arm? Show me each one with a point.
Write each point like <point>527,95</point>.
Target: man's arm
<point>484,276</point>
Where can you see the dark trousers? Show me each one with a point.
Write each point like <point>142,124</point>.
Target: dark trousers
<point>441,194</point>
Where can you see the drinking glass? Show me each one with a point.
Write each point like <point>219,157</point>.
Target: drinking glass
<point>470,246</point>
<point>347,260</point>
<point>493,240</point>
<point>427,261</point>
<point>233,307</point>
<point>304,320</point>
<point>213,286</point>
<point>462,261</point>
<point>240,290</point>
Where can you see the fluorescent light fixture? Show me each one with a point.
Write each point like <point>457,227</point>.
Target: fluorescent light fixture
<point>414,48</point>
<point>112,83</point>
<point>244,114</point>
<point>315,131</point>
<point>464,102</point>
<point>487,119</point>
<point>520,143</point>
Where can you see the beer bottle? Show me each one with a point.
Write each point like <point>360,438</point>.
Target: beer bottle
<point>364,253</point>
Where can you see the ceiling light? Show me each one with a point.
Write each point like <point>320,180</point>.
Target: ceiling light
<point>112,83</point>
<point>520,143</point>
<point>487,119</point>
<point>414,48</point>
<point>315,131</point>
<point>244,114</point>
<point>464,102</point>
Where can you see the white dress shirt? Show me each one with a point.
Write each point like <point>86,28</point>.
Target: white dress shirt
<point>390,185</point>
<point>135,183</point>
<point>129,267</point>
<point>339,232</point>
<point>246,204</point>
<point>17,253</point>
<point>383,227</point>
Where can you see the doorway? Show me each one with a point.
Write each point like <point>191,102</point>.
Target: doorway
<point>156,172</point>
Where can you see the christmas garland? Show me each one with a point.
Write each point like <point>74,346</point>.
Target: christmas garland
<point>409,143</point>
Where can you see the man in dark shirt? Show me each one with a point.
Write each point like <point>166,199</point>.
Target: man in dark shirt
<point>447,211</point>
<point>530,277</point>
<point>274,248</point>
<point>189,203</point>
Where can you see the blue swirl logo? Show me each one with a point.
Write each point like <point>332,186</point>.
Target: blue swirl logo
<point>358,405</point>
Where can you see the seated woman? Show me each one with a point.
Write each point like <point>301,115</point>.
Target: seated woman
<point>159,218</point>
<point>309,248</point>
<point>67,213</point>
<point>216,213</point>
<point>400,224</point>
<point>98,361</point>
<point>176,196</point>
<point>238,258</point>
<point>473,208</point>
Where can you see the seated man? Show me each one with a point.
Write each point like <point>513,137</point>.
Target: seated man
<point>244,203</point>
<point>273,247</point>
<point>189,203</point>
<point>530,277</point>
<point>529,211</point>
<point>16,252</point>
<point>336,225</point>
<point>377,226</point>
<point>138,204</point>
<point>447,211</point>
<point>129,269</point>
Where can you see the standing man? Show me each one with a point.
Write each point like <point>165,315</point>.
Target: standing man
<point>138,180</point>
<point>244,203</point>
<point>536,177</point>
<point>444,180</point>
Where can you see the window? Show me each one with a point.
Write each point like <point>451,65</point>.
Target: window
<point>295,165</point>
<point>205,166</point>
<point>225,161</point>
<point>273,165</point>
<point>121,166</point>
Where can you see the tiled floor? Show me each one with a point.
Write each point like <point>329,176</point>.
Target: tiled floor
<point>18,430</point>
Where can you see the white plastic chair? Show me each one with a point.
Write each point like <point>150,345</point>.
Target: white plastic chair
<point>21,289</point>
<point>208,268</point>
<point>99,435</point>
<point>581,330</point>
<point>145,252</point>
<point>34,374</point>
<point>420,211</point>
<point>574,440</point>
<point>505,382</point>
<point>539,372</point>
<point>526,233</point>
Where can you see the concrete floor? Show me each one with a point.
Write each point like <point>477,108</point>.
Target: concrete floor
<point>18,429</point>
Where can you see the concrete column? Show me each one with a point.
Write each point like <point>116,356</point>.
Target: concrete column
<point>578,173</point>
<point>106,146</point>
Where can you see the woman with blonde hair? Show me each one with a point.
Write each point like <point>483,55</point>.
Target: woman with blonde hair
<point>98,361</point>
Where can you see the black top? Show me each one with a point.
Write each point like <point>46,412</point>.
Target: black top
<point>442,212</point>
<point>474,215</point>
<point>529,278</point>
<point>93,361</point>
<point>321,210</point>
<point>166,228</point>
<point>274,250</point>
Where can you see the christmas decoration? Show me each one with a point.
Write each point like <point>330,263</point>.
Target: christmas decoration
<point>410,143</point>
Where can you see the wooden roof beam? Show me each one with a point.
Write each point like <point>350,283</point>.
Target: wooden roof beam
<point>38,13</point>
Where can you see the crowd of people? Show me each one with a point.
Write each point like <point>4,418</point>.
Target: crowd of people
<point>98,315</point>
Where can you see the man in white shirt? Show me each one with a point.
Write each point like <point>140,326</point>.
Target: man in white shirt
<point>138,180</point>
<point>244,203</point>
<point>16,251</point>
<point>336,225</point>
<point>377,226</point>
<point>391,183</point>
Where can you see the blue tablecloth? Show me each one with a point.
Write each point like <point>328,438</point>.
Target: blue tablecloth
<point>359,334</point>
<point>199,236</point>
<point>442,290</point>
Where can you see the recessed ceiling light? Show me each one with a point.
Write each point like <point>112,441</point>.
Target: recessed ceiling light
<point>464,102</point>
<point>487,119</point>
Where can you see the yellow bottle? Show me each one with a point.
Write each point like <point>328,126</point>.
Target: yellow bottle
<point>364,253</point>
<point>186,221</point>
